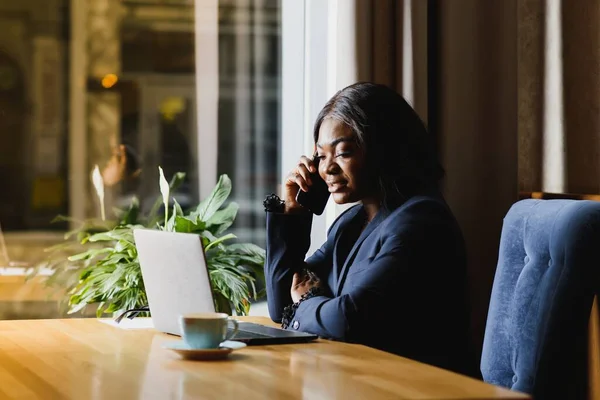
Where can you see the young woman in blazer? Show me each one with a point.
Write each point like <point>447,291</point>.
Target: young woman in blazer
<point>392,272</point>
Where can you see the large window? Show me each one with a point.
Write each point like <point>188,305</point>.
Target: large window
<point>191,86</point>
<point>249,107</point>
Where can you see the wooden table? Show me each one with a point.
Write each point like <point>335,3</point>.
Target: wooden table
<point>88,359</point>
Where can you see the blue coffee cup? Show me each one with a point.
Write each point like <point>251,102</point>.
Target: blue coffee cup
<point>206,330</point>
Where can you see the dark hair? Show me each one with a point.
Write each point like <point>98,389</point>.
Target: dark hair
<point>398,148</point>
<point>133,163</point>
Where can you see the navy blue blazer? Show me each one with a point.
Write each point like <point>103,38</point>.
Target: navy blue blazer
<point>400,286</point>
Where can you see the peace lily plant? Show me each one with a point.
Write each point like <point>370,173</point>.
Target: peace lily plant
<point>98,262</point>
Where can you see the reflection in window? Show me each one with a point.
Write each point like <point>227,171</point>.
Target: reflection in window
<point>158,102</point>
<point>139,104</point>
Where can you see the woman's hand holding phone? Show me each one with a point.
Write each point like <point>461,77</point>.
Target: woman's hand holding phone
<point>298,179</point>
<point>305,189</point>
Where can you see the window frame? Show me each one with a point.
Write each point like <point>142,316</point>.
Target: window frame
<point>318,59</point>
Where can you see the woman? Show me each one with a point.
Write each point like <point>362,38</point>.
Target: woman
<point>392,272</point>
<point>121,167</point>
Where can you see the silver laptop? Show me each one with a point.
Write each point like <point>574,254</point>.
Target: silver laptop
<point>177,282</point>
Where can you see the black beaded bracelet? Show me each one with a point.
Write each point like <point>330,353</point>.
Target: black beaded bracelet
<point>290,311</point>
<point>273,203</point>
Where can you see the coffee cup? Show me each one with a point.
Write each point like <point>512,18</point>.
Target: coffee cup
<point>206,330</point>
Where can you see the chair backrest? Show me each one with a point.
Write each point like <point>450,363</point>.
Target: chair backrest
<point>547,274</point>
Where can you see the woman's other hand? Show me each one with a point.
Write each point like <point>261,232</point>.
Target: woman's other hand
<point>302,284</point>
<point>298,179</point>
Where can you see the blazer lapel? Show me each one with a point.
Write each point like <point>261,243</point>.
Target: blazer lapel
<point>381,215</point>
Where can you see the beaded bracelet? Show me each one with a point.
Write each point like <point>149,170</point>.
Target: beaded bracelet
<point>273,203</point>
<point>290,311</point>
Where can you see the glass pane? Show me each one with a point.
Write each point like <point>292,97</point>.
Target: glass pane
<point>158,113</point>
<point>249,98</point>
<point>33,95</point>
<point>112,84</point>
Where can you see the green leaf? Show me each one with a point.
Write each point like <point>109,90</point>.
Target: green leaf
<point>229,283</point>
<point>116,234</point>
<point>241,260</point>
<point>123,245</point>
<point>177,208</point>
<point>117,258</point>
<point>131,215</point>
<point>65,218</point>
<point>246,249</point>
<point>188,224</point>
<point>220,240</point>
<point>222,304</point>
<point>175,215</point>
<point>222,219</point>
<point>215,200</point>
<point>89,254</point>
<point>208,236</point>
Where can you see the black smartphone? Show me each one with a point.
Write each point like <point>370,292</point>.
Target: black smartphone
<point>318,193</point>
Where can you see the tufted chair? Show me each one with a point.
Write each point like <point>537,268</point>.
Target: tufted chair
<point>536,337</point>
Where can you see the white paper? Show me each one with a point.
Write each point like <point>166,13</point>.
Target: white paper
<point>126,323</point>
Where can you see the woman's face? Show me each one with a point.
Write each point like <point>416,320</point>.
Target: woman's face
<point>342,163</point>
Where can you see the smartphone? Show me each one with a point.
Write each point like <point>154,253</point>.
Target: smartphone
<point>318,193</point>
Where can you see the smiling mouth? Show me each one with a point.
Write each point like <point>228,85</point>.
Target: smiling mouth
<point>336,186</point>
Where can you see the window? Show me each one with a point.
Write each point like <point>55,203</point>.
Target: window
<point>191,86</point>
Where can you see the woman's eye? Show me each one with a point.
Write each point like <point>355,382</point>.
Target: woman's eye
<point>344,154</point>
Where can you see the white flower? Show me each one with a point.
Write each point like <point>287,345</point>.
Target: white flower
<point>98,183</point>
<point>164,190</point>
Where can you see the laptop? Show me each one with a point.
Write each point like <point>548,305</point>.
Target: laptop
<point>176,279</point>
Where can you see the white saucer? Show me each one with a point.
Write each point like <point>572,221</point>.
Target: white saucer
<point>188,353</point>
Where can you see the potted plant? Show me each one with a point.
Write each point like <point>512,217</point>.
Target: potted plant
<point>98,263</point>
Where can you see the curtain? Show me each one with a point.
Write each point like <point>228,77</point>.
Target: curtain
<point>476,91</point>
<point>391,47</point>
<point>559,100</point>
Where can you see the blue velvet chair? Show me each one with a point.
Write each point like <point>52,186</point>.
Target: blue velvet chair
<point>536,337</point>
